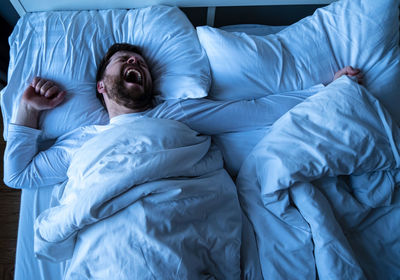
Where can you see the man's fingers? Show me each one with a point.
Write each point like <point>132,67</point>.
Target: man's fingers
<point>35,81</point>
<point>43,94</point>
<point>49,93</point>
<point>57,99</point>
<point>352,71</point>
<point>349,71</point>
<point>45,87</point>
<point>39,85</point>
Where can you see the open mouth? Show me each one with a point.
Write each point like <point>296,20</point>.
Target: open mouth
<point>134,76</point>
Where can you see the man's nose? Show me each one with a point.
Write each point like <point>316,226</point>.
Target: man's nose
<point>132,60</point>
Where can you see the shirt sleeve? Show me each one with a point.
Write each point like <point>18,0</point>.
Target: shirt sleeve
<point>216,117</point>
<point>25,166</point>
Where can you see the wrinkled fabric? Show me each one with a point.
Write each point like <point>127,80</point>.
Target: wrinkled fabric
<point>321,189</point>
<point>67,47</point>
<point>145,200</point>
<point>360,33</point>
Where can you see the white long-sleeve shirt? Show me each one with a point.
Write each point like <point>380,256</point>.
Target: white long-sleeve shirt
<point>27,167</point>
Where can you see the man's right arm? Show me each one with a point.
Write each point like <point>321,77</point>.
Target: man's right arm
<point>24,167</point>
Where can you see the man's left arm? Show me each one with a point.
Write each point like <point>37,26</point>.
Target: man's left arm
<point>216,117</point>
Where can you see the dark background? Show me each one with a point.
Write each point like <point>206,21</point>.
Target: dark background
<point>9,199</point>
<point>8,18</point>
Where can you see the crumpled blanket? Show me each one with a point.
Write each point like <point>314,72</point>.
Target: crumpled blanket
<point>321,191</point>
<point>145,200</point>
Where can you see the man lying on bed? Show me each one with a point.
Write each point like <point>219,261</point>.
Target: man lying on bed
<point>125,83</point>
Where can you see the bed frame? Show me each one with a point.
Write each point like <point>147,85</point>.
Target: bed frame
<point>28,6</point>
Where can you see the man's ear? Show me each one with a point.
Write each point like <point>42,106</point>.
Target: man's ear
<point>100,87</point>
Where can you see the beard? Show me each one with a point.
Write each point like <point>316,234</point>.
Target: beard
<point>129,98</point>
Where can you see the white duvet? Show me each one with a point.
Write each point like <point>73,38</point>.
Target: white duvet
<point>311,218</point>
<point>145,200</point>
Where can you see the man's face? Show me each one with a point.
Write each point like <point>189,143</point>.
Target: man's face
<point>127,78</point>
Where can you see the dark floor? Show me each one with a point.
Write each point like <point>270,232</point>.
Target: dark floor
<point>9,212</point>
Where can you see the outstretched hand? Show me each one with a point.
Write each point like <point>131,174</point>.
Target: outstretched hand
<point>351,72</point>
<point>42,94</point>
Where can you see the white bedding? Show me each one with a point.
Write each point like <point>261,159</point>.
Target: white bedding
<point>309,218</point>
<point>170,211</point>
<point>34,202</point>
<point>27,266</point>
<point>67,46</point>
<point>360,33</point>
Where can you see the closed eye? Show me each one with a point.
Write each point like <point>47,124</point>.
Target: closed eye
<point>125,58</point>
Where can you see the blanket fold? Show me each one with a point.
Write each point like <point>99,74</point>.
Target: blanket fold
<point>324,170</point>
<point>156,188</point>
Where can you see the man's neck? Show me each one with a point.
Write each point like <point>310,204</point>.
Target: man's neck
<point>118,110</point>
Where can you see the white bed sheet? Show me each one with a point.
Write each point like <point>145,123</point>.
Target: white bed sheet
<point>33,202</point>
<point>27,266</point>
<point>66,48</point>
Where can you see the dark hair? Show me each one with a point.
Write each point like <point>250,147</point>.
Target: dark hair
<point>106,59</point>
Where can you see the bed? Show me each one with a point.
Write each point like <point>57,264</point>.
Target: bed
<point>316,194</point>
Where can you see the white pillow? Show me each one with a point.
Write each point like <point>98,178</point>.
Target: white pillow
<point>67,46</point>
<point>360,33</point>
